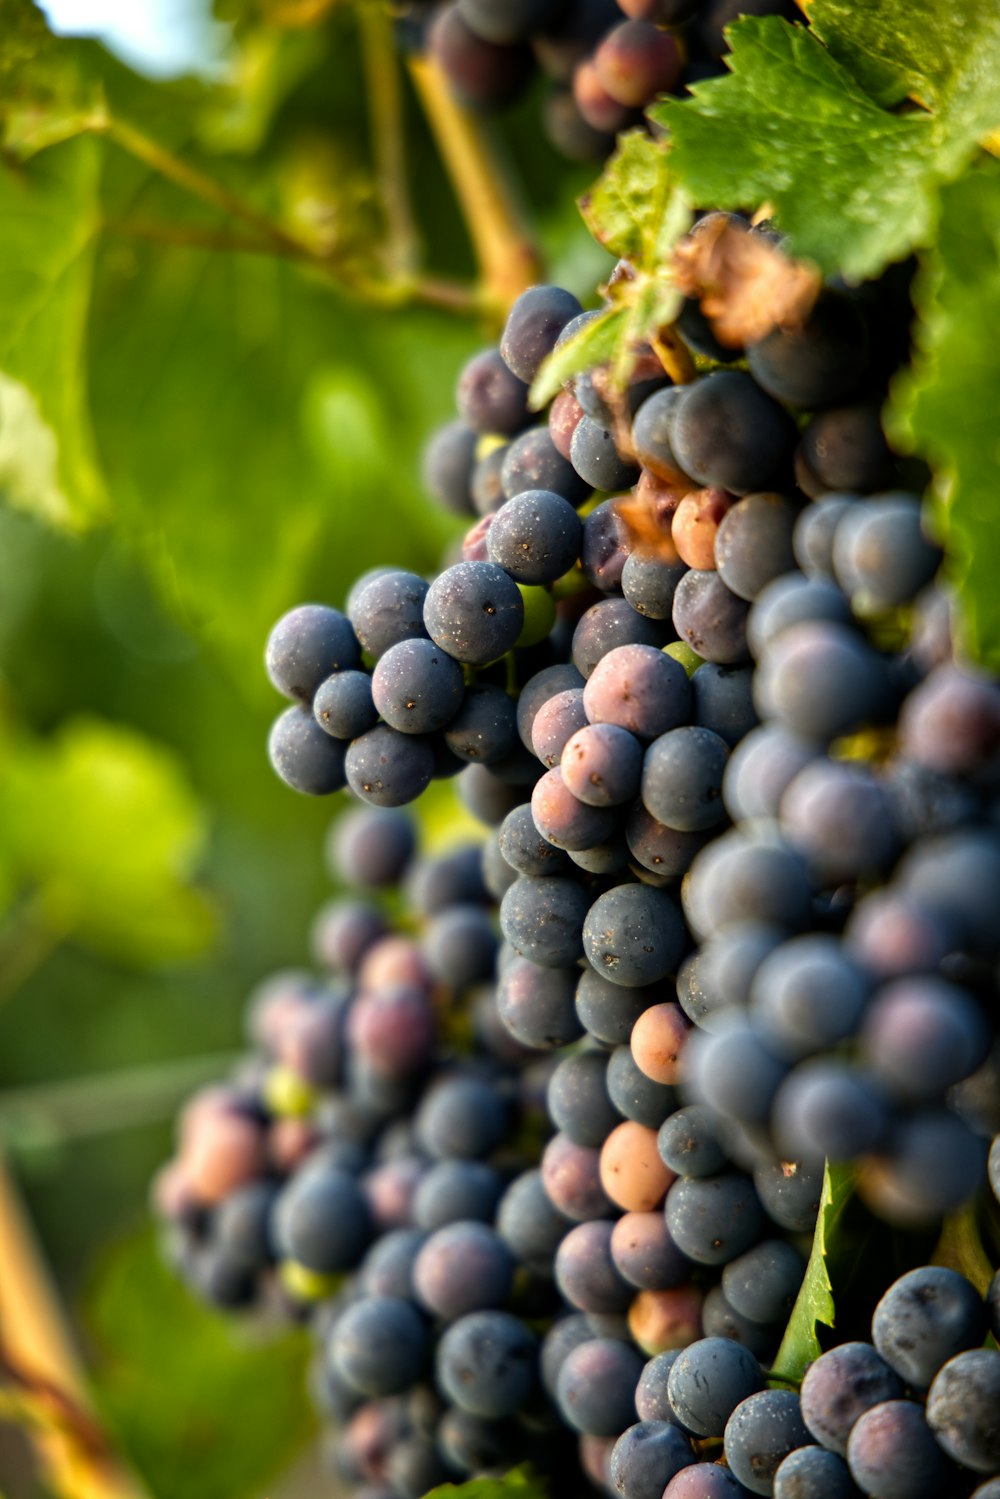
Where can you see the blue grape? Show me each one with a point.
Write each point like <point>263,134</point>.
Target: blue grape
<point>241,1227</point>
<point>595,1387</point>
<point>529,1224</point>
<point>651,433</point>
<point>932,1164</point>
<point>661,850</point>
<point>490,398</point>
<point>723,700</point>
<point>635,1095</point>
<point>577,1098</point>
<point>840,818</point>
<point>820,681</point>
<point>720,1320</point>
<point>711,618</point>
<point>881,555</point>
<point>343,705</point>
<point>760,1434</point>
<point>726,432</point>
<point>533,325</point>
<point>646,1457</point>
<point>461,1117</point>
<point>434,884</point>
<point>486,1363</point>
<point>463,1267</point>
<point>371,846</point>
<point>707,1381</point>
<point>789,1192</point>
<point>763,1283</point>
<point>845,449</point>
<point>818,362</point>
<point>555,723</point>
<point>416,687</point>
<point>808,995</point>
<point>387,1268</point>
<point>448,461</point>
<point>815,528</point>
<point>387,768</point>
<point>962,1409</point>
<point>649,584</point>
<point>607,1010</point>
<point>605,547</point>
<point>688,1142</point>
<point>813,1473</point>
<point>601,765</point>
<point>306,758</point>
<point>640,689</point>
<point>532,461</point>
<point>596,458</point>
<point>536,1004</point>
<point>738,878</point>
<point>753,545</point>
<point>793,600</point>
<point>459,946</point>
<point>957,876</point>
<point>389,609</point>
<point>921,1036</point>
<point>306,645</point>
<point>634,935</point>
<point>824,1109</point>
<point>925,1318</point>
<point>484,729</point>
<point>892,1453</point>
<point>481,74</point>
<point>840,1385</point>
<point>566,821</point>
<point>524,848</point>
<point>586,1273</point>
<point>486,795</point>
<point>379,1345</point>
<point>535,537</point>
<point>609,625</point>
<point>543,920</point>
<point>713,1219</point>
<point>474,612</point>
<point>682,779</point>
<point>760,769</point>
<point>644,1253</point>
<point>734,1072</point>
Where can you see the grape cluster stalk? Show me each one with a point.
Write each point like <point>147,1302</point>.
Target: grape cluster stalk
<point>602,61</point>
<point>538,1149</point>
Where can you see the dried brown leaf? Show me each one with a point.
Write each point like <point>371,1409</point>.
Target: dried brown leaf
<point>746,284</point>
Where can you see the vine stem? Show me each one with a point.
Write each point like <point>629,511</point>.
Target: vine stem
<point>674,355</point>
<point>80,1108</point>
<point>385,107</point>
<point>393,291</point>
<point>505,252</point>
<point>38,1355</point>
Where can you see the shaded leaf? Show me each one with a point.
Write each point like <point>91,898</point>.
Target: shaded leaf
<point>626,209</point>
<point>814,1304</point>
<point>50,214</point>
<point>519,1483</point>
<point>944,407</point>
<point>944,54</point>
<point>47,90</point>
<point>596,343</point>
<point>853,186</point>
<point>205,1408</point>
<point>103,824</point>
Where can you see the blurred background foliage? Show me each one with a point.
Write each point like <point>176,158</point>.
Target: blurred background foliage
<point>199,427</point>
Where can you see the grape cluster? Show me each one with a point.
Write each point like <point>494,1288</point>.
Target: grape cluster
<point>693,666</point>
<point>604,61</point>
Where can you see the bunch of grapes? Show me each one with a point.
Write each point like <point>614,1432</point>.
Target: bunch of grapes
<point>605,60</point>
<point>693,665</point>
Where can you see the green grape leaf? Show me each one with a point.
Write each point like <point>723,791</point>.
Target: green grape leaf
<point>814,1304</point>
<point>947,55</point>
<point>50,211</point>
<point>102,824</point>
<point>519,1483</point>
<point>853,186</point>
<point>944,406</point>
<point>596,343</point>
<point>202,1406</point>
<point>637,211</point>
<point>48,88</point>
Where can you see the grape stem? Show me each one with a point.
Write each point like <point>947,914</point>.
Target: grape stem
<point>49,1392</point>
<point>385,106</point>
<point>507,258</point>
<point>268,237</point>
<point>960,1248</point>
<point>673,354</point>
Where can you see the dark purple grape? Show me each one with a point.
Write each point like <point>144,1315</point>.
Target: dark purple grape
<point>726,432</point>
<point>640,689</point>
<point>543,920</point>
<point>634,935</point>
<point>482,74</point>
<point>820,361</point>
<point>892,1452</point>
<point>306,758</point>
<point>486,1363</point>
<point>963,1406</point>
<point>760,1434</point>
<point>305,646</point>
<point>925,1318</point>
<point>536,1004</point>
<point>595,1387</point>
<point>343,705</point>
<point>646,1457</point>
<point>713,1219</point>
<point>711,618</point>
<point>389,608</point>
<point>609,625</point>
<point>682,779</point>
<point>474,612</point>
<point>708,1380</point>
<point>386,768</point>
<point>535,537</point>
<point>753,545</point>
<point>484,730</point>
<point>416,687</point>
<point>448,464</point>
<point>461,1268</point>
<point>489,397</point>
<point>379,1345</point>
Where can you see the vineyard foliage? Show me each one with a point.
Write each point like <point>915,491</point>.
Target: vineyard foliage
<point>224,336</point>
